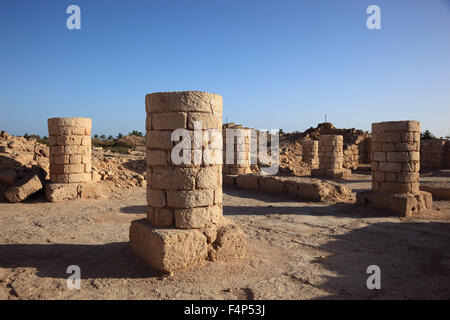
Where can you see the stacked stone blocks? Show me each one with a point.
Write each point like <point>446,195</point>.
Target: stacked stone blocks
<point>395,169</point>
<point>310,153</point>
<point>70,149</point>
<point>396,157</point>
<point>331,158</point>
<point>181,195</point>
<point>70,160</point>
<point>240,153</point>
<point>184,224</point>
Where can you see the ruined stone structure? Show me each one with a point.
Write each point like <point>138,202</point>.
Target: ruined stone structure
<point>70,159</point>
<point>240,153</point>
<point>184,224</point>
<point>435,154</point>
<point>70,149</point>
<point>310,153</point>
<point>395,169</point>
<point>351,156</point>
<point>331,158</point>
<point>305,189</point>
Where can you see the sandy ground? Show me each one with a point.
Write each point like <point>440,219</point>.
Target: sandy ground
<point>295,250</point>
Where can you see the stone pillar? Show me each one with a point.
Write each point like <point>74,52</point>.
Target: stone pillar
<point>70,159</point>
<point>310,153</point>
<point>241,151</point>
<point>395,154</point>
<point>184,224</point>
<point>70,149</point>
<point>331,158</point>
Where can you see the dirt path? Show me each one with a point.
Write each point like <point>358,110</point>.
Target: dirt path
<point>296,250</point>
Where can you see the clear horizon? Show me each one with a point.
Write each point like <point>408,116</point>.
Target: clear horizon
<point>277,64</point>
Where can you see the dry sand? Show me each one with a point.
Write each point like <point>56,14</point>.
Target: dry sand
<point>295,250</point>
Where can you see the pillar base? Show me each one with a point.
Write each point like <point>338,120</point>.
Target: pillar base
<point>398,204</point>
<point>170,249</point>
<point>332,173</point>
<point>70,191</point>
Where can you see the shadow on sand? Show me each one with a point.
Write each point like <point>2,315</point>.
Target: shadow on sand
<point>414,259</point>
<point>111,260</point>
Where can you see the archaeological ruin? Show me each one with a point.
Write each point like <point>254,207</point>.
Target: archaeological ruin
<point>310,153</point>
<point>331,158</point>
<point>70,159</point>
<point>184,224</point>
<point>236,158</point>
<point>395,170</point>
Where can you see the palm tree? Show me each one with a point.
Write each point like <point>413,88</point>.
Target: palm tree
<point>135,133</point>
<point>426,135</point>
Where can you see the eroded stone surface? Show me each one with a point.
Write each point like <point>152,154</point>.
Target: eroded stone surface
<point>395,169</point>
<point>167,250</point>
<point>70,191</point>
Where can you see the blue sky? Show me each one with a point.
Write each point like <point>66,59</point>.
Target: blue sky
<point>278,64</point>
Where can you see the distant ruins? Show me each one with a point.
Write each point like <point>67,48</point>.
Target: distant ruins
<point>331,158</point>
<point>310,152</point>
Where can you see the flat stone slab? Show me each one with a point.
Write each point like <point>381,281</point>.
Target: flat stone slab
<point>70,191</point>
<point>307,189</point>
<point>169,249</point>
<point>439,190</point>
<point>398,204</point>
<point>332,174</point>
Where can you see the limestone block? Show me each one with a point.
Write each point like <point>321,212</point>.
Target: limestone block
<point>198,217</point>
<point>398,204</point>
<point>25,187</point>
<point>159,139</point>
<point>168,121</point>
<point>229,244</point>
<point>160,217</point>
<point>190,199</point>
<point>167,250</point>
<point>156,198</point>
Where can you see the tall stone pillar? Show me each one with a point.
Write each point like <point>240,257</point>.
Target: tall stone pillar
<point>70,159</point>
<point>184,224</point>
<point>395,154</point>
<point>70,149</point>
<point>331,158</point>
<point>310,153</point>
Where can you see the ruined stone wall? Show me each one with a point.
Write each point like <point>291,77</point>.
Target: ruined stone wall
<point>435,154</point>
<point>396,157</point>
<point>181,195</point>
<point>364,150</point>
<point>351,156</point>
<point>300,188</point>
<point>70,150</point>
